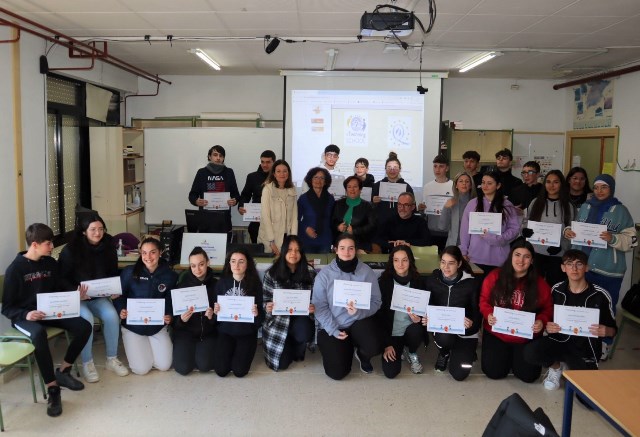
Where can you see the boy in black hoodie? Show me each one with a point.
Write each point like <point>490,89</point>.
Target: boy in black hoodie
<point>30,273</point>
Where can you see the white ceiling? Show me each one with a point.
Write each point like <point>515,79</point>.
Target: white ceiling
<point>540,39</point>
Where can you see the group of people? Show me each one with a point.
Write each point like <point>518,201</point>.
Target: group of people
<point>517,275</point>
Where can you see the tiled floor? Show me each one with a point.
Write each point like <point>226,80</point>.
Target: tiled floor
<point>299,401</point>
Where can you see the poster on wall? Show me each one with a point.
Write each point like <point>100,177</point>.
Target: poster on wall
<point>593,105</point>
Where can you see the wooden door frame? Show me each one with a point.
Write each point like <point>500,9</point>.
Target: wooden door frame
<point>613,132</point>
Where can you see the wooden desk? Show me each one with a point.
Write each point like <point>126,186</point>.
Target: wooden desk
<point>615,394</point>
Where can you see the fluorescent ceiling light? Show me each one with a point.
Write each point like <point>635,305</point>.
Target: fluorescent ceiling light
<point>205,58</point>
<point>477,60</point>
<point>332,54</point>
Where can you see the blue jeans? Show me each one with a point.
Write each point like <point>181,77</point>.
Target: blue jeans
<point>101,307</point>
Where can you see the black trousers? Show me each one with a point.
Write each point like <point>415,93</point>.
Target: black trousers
<point>462,352</point>
<point>234,354</point>
<point>549,268</point>
<point>337,355</point>
<point>544,352</point>
<point>499,358</point>
<point>413,336</point>
<point>191,352</point>
<point>301,330</point>
<point>253,229</point>
<point>79,330</point>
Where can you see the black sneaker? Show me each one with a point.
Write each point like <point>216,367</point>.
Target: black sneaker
<point>65,379</point>
<point>365,365</point>
<point>441,362</point>
<point>54,402</point>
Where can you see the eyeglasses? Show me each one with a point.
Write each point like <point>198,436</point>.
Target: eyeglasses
<point>528,172</point>
<point>576,265</point>
<point>405,205</point>
<point>98,230</point>
<point>318,177</point>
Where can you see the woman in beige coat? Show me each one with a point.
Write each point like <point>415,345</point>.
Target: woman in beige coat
<point>279,209</point>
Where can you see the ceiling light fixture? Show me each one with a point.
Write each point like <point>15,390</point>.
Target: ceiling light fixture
<point>205,58</point>
<point>478,60</point>
<point>273,45</point>
<point>332,55</point>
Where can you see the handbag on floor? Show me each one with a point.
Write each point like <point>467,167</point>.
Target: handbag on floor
<point>631,301</point>
<point>514,418</point>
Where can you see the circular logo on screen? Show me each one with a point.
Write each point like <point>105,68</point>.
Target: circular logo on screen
<point>357,123</point>
<point>399,133</point>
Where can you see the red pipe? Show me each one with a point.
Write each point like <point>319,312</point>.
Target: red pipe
<point>139,95</point>
<point>93,61</point>
<point>6,23</point>
<point>81,47</point>
<point>597,77</point>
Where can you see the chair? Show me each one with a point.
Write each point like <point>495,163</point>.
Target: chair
<point>424,250</point>
<point>626,316</point>
<point>11,353</point>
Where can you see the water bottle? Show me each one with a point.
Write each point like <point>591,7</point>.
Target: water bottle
<point>136,196</point>
<point>119,251</point>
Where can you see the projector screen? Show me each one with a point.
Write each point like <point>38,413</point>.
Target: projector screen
<point>367,115</point>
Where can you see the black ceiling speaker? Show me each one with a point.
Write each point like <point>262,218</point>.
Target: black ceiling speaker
<point>275,42</point>
<point>44,65</point>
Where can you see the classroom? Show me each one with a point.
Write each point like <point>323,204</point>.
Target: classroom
<point>533,89</point>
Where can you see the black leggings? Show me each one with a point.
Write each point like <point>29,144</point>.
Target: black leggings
<point>462,352</point>
<point>549,268</point>
<point>191,352</point>
<point>337,355</point>
<point>301,330</point>
<point>79,330</point>
<point>413,336</point>
<point>499,357</point>
<point>234,353</point>
<point>575,352</point>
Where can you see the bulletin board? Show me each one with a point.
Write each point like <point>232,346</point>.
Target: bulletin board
<point>547,148</point>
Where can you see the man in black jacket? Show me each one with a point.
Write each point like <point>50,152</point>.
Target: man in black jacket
<point>403,227</point>
<point>252,191</point>
<point>503,164</point>
<point>522,196</point>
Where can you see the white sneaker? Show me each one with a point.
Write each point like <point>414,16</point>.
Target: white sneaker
<point>416,366</point>
<point>116,366</point>
<point>89,372</point>
<point>605,352</point>
<point>552,379</point>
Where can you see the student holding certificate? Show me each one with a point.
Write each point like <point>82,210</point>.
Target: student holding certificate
<point>285,338</point>
<point>31,273</point>
<point>517,286</point>
<point>489,250</point>
<point>385,209</point>
<point>194,333</point>
<point>315,208</point>
<point>552,205</point>
<point>346,331</point>
<point>453,285</point>
<point>147,346</point>
<point>278,208</point>
<point>402,333</point>
<point>91,254</point>
<point>464,190</point>
<point>607,266</point>
<point>237,342</point>
<point>576,352</point>
<point>355,215</point>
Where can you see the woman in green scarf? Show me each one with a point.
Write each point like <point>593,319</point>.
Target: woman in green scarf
<point>354,215</point>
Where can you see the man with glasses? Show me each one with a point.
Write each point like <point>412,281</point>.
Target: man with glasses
<point>560,351</point>
<point>331,156</point>
<point>522,195</point>
<point>404,228</point>
<point>503,165</point>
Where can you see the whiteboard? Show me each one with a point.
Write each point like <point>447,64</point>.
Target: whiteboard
<point>172,156</point>
<point>547,148</point>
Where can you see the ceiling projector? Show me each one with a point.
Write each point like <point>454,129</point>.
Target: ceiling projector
<point>386,24</point>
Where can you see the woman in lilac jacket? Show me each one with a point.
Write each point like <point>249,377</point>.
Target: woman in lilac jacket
<point>488,251</point>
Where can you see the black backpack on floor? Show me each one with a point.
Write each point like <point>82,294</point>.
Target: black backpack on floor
<point>631,301</point>
<point>514,418</point>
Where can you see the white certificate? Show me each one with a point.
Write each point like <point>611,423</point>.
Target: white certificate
<point>291,302</point>
<point>481,223</point>
<point>103,287</point>
<point>236,309</point>
<point>365,194</point>
<point>253,212</point>
<point>357,293</point>
<point>545,234</point>
<point>214,244</point>
<point>409,300</point>
<point>514,322</point>
<point>217,201</point>
<point>576,320</point>
<point>189,298</point>
<point>588,234</point>
<point>145,312</point>
<point>389,191</point>
<point>337,189</point>
<point>435,204</point>
<point>448,320</point>
<point>60,305</point>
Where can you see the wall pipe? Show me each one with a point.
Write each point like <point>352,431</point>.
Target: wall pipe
<point>596,77</point>
<point>79,46</point>
<point>16,39</point>
<point>139,95</point>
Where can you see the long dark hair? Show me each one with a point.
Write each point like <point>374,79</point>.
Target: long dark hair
<point>251,277</point>
<point>280,271</point>
<point>502,293</point>
<point>497,204</point>
<point>271,177</point>
<point>587,186</point>
<point>541,200</point>
<point>79,246</point>
<point>456,253</point>
<point>139,265</point>
<point>389,271</point>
